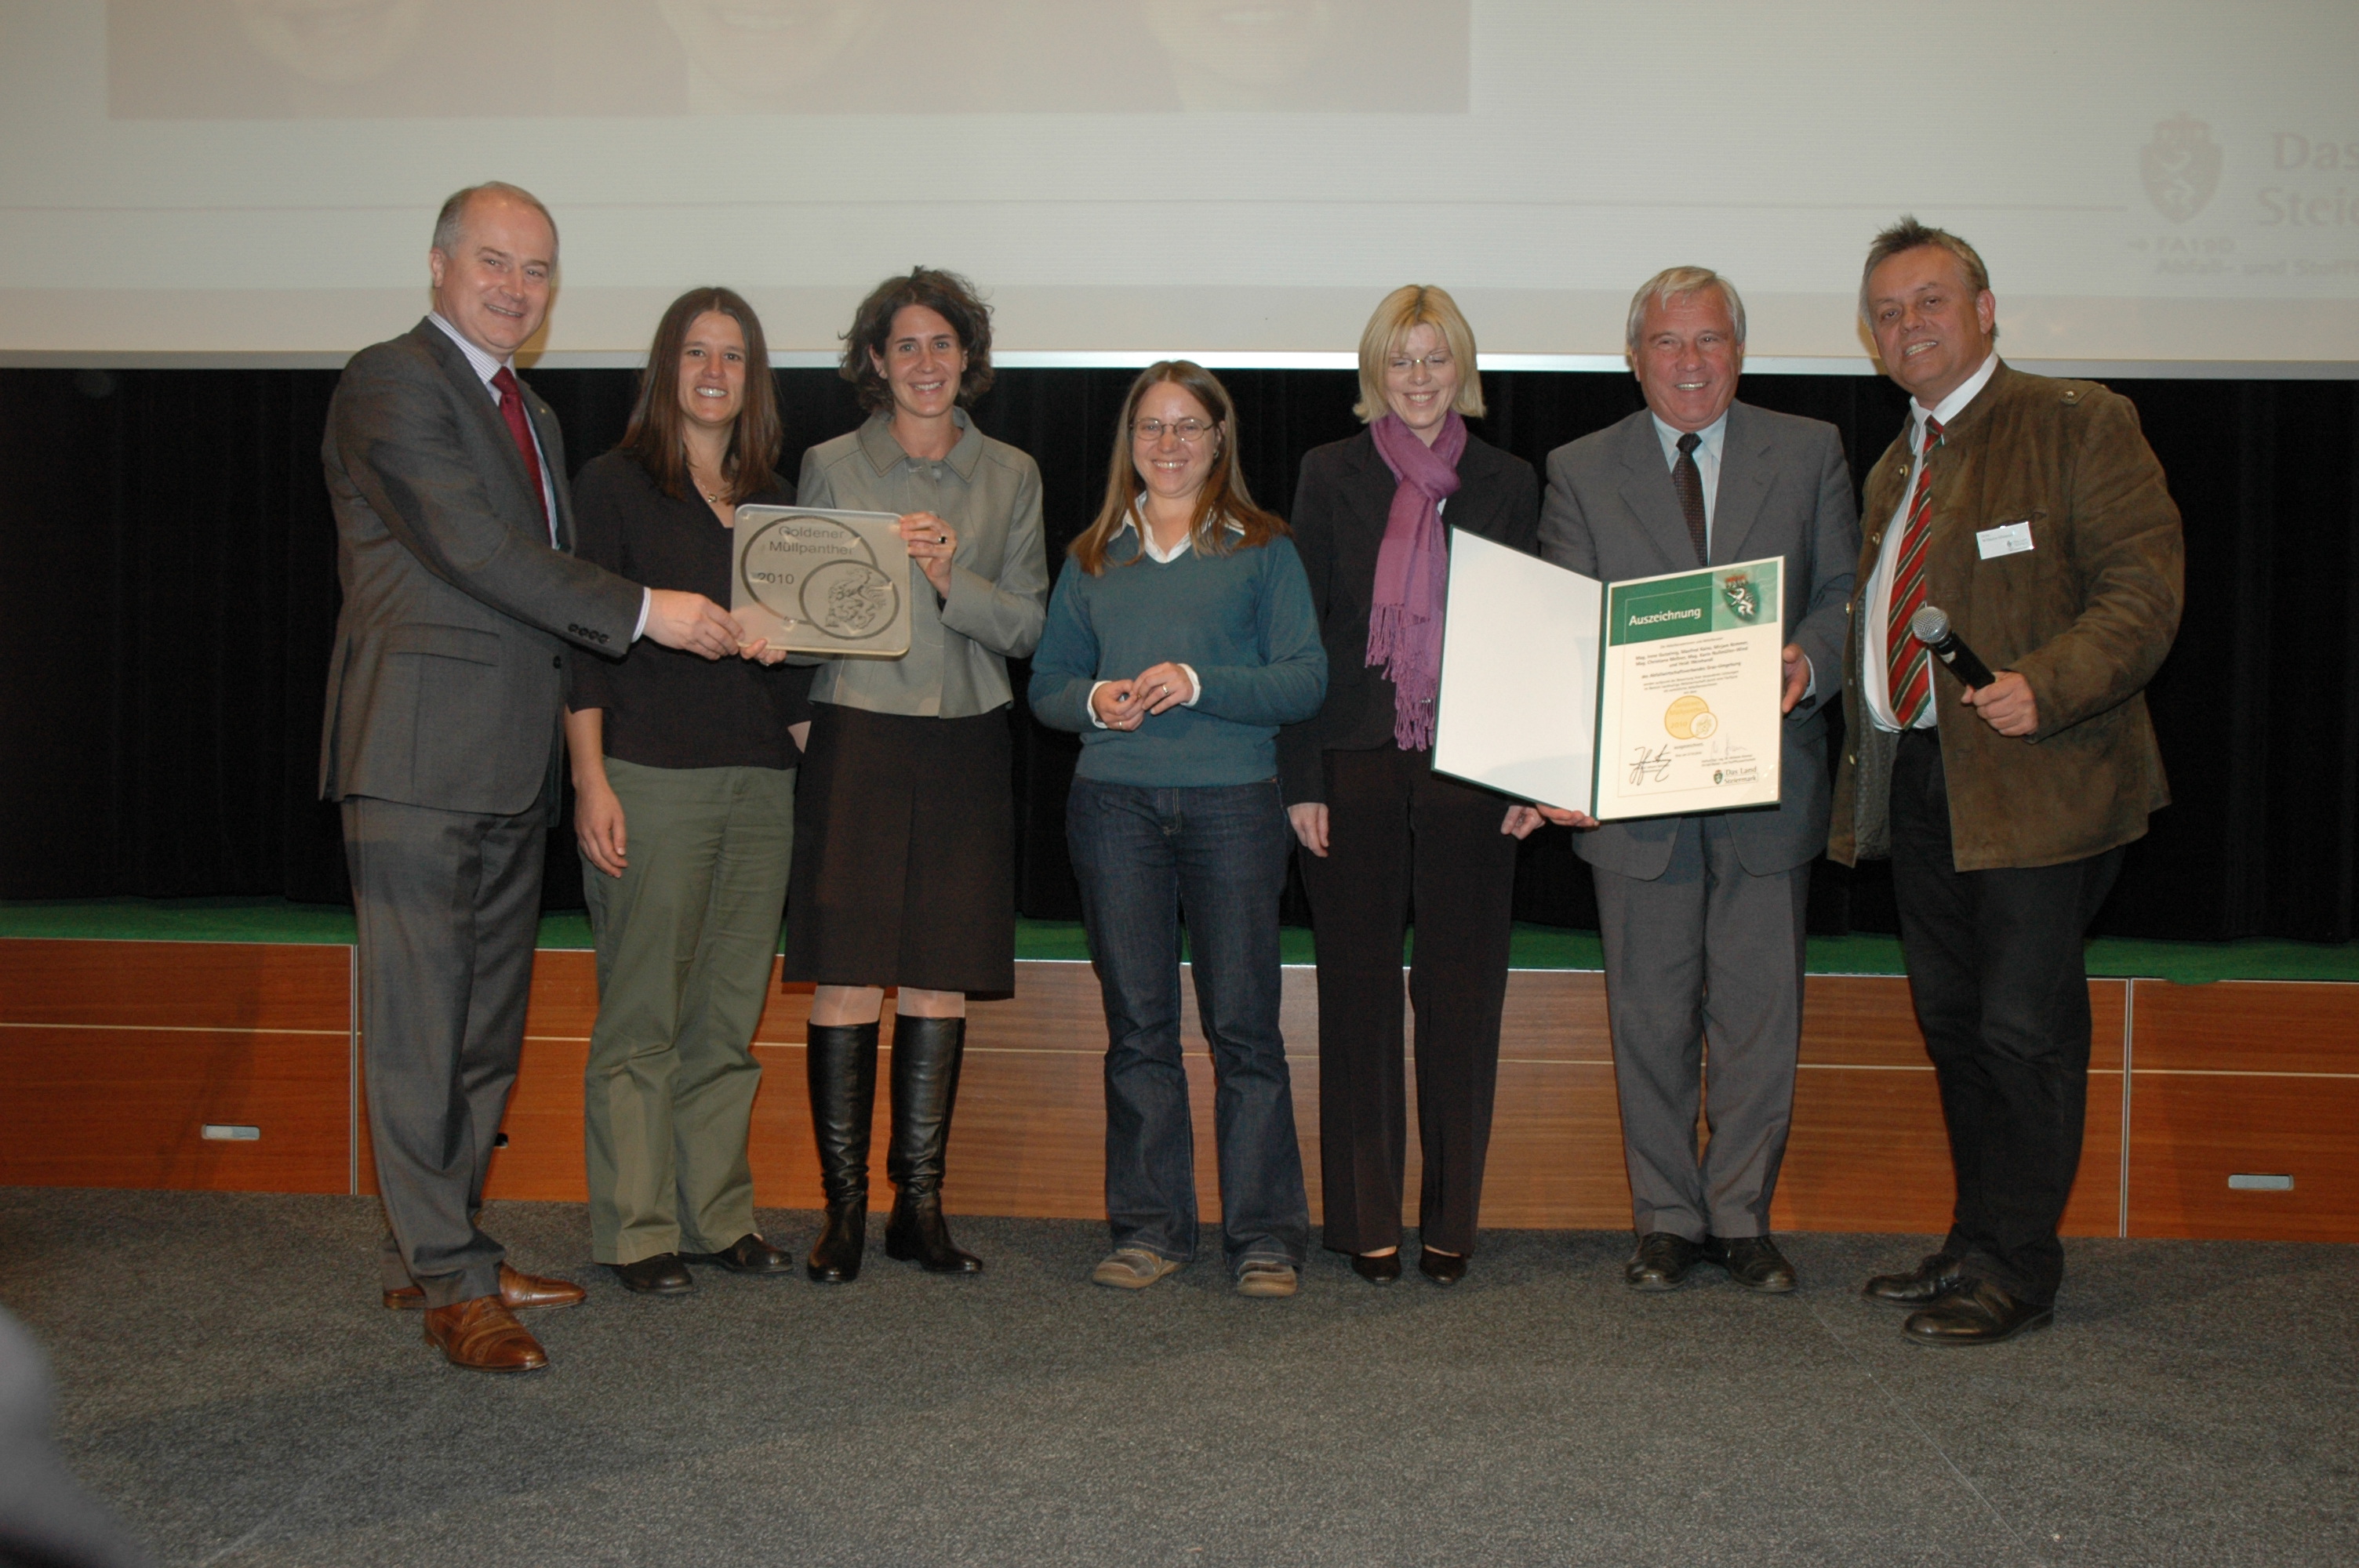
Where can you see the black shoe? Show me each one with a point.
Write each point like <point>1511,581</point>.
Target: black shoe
<point>1661,1262</point>
<point>661,1275</point>
<point>1442,1268</point>
<point>840,1065</point>
<point>749,1254</point>
<point>835,1257</point>
<point>1934,1278</point>
<point>926,1054</point>
<point>1753,1262</point>
<point>1977,1313</point>
<point>1377,1268</point>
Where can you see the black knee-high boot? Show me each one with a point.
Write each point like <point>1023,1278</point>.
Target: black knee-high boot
<point>841,1063</point>
<point>926,1054</point>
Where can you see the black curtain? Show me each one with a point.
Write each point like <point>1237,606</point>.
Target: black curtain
<point>168,595</point>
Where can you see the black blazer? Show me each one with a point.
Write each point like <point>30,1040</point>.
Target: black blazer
<point>1340,506</point>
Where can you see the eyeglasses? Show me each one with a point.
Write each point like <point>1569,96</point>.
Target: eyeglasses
<point>1187,431</point>
<point>1437,361</point>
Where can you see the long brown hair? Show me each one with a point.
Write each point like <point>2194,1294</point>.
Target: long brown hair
<point>655,436</point>
<point>1222,500</point>
<point>947,295</point>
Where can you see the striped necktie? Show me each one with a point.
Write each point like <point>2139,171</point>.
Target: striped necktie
<point>1908,662</point>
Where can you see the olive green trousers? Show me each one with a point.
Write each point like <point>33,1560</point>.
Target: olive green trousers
<point>686,939</point>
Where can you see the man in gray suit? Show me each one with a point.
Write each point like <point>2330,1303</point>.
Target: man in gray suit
<point>1702,916</point>
<point>454,534</point>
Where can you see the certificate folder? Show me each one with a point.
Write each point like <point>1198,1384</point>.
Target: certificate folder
<point>1652,697</point>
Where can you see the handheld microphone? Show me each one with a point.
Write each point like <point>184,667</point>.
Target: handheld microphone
<point>1931,627</point>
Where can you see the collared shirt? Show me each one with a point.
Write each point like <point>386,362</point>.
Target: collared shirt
<point>486,367</point>
<point>1708,441</point>
<point>1874,674</point>
<point>960,644</point>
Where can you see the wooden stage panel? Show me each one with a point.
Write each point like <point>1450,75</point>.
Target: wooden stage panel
<point>113,1055</point>
<point>177,985</point>
<point>126,1107</point>
<point>2251,1078</point>
<point>1868,1150</point>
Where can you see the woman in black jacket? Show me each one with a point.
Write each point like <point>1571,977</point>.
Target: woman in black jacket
<point>1380,831</point>
<point>684,810</point>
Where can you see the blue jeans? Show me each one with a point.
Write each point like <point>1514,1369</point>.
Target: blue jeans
<point>1220,852</point>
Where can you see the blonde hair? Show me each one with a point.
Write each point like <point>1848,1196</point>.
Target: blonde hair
<point>1403,311</point>
<point>1223,502</point>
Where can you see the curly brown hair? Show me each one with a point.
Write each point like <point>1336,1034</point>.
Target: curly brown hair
<point>946,294</point>
<point>654,437</point>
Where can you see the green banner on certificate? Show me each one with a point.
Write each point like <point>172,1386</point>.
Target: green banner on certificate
<point>1726,598</point>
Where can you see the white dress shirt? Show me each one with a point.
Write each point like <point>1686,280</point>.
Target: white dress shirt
<point>485,368</point>
<point>1874,671</point>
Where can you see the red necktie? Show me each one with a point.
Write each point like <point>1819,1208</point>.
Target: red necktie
<point>1908,662</point>
<point>512,410</point>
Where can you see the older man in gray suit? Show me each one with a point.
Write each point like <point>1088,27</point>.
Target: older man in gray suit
<point>453,535</point>
<point>1702,916</point>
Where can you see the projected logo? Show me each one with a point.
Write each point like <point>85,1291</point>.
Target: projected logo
<point>2181,167</point>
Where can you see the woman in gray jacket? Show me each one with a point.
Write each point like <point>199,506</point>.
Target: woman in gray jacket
<point>905,869</point>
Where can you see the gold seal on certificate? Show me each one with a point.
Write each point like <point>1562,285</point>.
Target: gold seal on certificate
<point>822,582</point>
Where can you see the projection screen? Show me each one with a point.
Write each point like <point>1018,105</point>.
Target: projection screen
<point>2166,189</point>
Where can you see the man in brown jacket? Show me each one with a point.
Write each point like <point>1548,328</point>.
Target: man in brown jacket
<point>2032,513</point>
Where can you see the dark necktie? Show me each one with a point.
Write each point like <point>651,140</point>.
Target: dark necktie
<point>512,410</point>
<point>1688,480</point>
<point>1908,662</point>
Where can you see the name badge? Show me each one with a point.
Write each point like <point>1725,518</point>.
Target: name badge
<point>2006,539</point>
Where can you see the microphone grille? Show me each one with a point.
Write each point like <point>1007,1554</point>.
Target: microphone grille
<point>1930,624</point>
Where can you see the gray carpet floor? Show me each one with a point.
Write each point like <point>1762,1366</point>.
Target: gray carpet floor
<point>229,1384</point>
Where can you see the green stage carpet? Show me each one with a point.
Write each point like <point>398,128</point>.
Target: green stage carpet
<point>1536,946</point>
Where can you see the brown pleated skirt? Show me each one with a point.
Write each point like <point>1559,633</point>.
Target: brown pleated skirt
<point>905,853</point>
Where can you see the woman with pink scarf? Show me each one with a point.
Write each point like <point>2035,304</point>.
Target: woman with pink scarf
<point>1380,831</point>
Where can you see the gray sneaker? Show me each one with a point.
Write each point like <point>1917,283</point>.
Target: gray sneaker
<point>1131,1269</point>
<point>1265,1277</point>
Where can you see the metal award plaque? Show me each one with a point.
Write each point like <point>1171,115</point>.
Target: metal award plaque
<point>822,582</point>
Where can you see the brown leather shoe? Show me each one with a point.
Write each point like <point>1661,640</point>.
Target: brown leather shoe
<point>482,1335</point>
<point>520,1291</point>
<point>528,1293</point>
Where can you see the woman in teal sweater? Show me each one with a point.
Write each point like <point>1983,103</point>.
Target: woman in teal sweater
<point>1180,636</point>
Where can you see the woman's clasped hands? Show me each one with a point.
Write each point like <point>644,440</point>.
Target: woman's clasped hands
<point>1124,703</point>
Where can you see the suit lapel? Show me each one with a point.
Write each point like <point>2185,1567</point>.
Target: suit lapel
<point>1647,491</point>
<point>1372,486</point>
<point>1745,477</point>
<point>483,410</point>
<point>1477,496</point>
<point>552,456</point>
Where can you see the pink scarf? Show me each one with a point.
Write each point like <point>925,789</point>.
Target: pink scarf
<point>1412,570</point>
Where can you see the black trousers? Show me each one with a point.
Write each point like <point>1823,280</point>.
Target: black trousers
<point>2002,995</point>
<point>1400,837</point>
